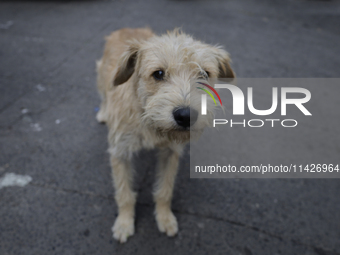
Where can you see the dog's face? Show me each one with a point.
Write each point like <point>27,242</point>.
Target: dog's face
<point>165,71</point>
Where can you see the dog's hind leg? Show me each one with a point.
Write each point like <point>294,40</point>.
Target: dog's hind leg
<point>167,171</point>
<point>125,199</point>
<point>101,115</point>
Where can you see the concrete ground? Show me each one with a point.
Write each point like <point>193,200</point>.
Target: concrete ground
<point>48,131</point>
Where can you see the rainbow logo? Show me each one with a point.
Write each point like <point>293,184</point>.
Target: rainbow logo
<point>209,93</point>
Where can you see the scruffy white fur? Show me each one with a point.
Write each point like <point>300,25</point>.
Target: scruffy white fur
<point>138,110</point>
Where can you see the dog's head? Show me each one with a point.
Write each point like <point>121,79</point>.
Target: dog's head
<point>164,70</point>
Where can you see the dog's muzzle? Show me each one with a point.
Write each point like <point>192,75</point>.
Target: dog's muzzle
<point>185,117</point>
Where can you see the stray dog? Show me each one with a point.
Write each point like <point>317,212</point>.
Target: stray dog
<point>144,82</point>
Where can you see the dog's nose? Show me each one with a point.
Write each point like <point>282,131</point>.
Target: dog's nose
<point>185,117</point>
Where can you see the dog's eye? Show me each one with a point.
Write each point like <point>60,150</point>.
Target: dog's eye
<point>205,74</point>
<point>158,75</point>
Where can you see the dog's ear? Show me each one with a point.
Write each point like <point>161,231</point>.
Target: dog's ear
<point>126,64</point>
<point>225,70</point>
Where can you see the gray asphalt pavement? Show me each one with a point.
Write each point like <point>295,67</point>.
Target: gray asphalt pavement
<point>48,131</point>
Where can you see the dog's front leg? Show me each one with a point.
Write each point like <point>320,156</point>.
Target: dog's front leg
<point>125,199</point>
<point>167,170</point>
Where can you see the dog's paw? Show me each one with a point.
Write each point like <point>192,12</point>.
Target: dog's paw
<point>167,223</point>
<point>123,228</point>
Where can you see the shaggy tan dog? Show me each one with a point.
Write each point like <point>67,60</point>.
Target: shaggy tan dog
<point>147,101</point>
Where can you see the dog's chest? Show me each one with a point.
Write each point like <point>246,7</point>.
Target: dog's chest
<point>149,140</point>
